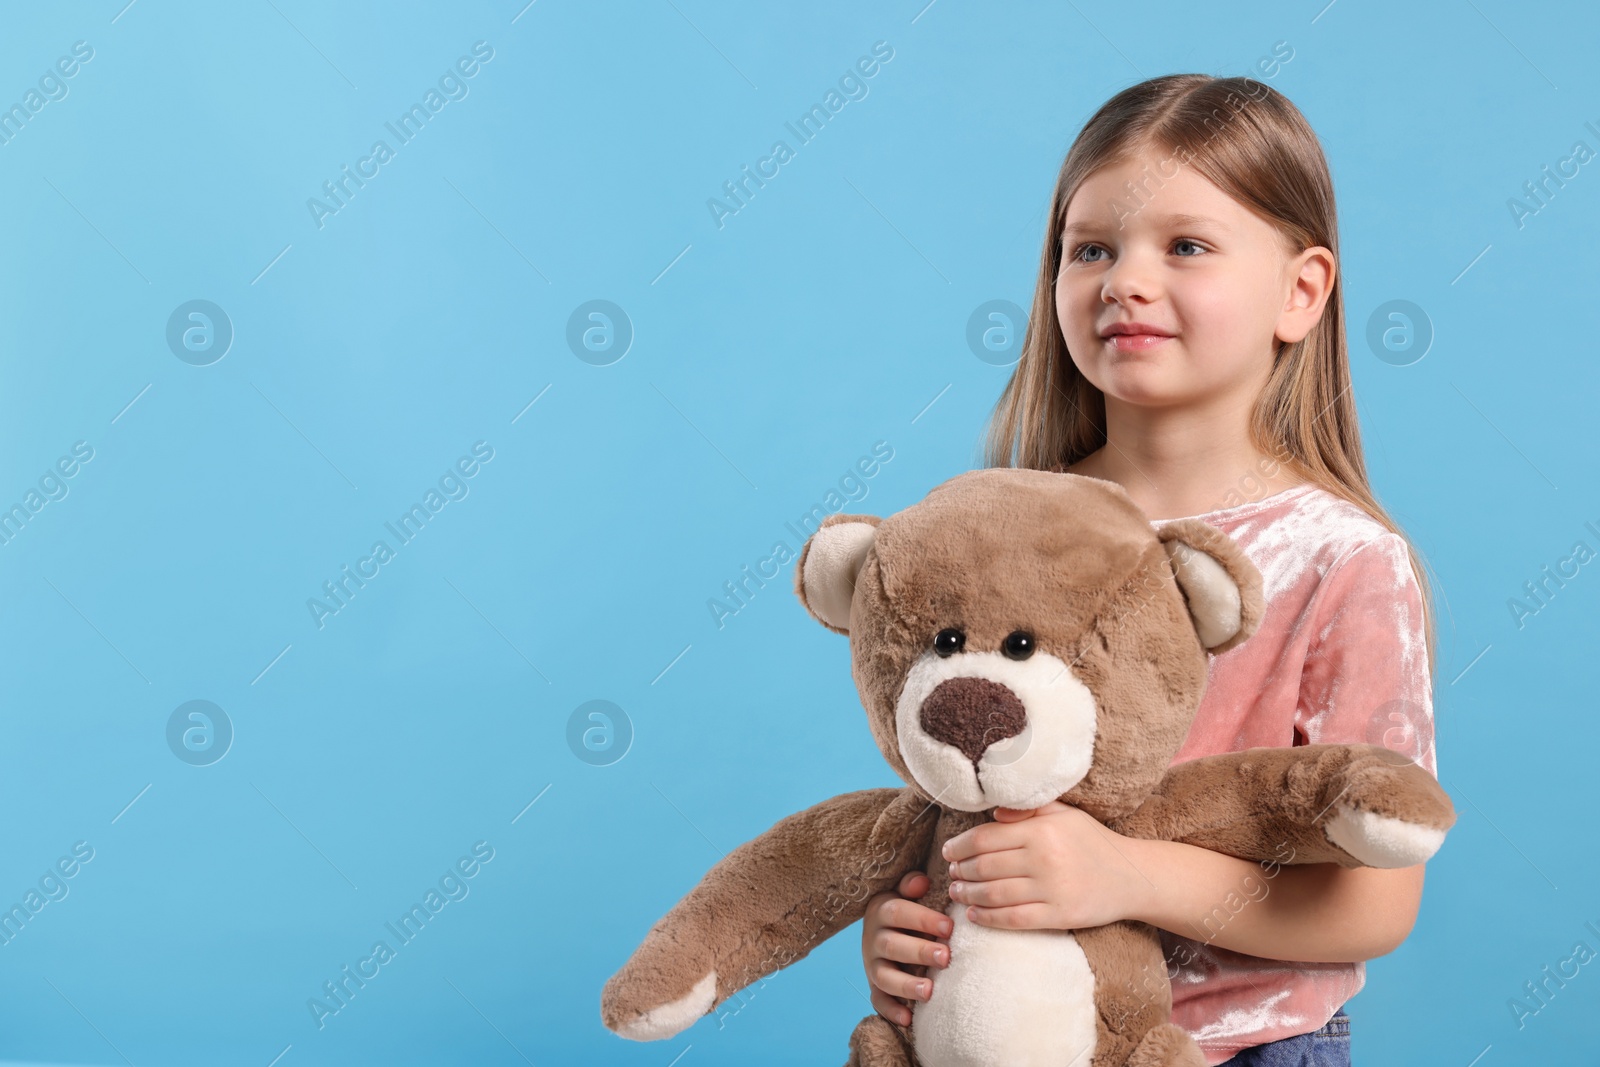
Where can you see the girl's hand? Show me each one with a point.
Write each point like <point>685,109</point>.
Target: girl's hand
<point>1052,867</point>
<point>889,937</point>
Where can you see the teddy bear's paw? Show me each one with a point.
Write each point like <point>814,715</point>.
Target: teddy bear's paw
<point>665,1020</point>
<point>1382,840</point>
<point>1165,1045</point>
<point>877,1042</point>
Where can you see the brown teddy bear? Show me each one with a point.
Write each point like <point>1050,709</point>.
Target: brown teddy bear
<point>1020,636</point>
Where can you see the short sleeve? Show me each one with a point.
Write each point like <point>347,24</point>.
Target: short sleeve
<point>1366,675</point>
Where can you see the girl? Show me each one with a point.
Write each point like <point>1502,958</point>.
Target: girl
<point>1187,342</point>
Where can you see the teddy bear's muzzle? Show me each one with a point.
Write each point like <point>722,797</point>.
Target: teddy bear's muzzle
<point>981,729</point>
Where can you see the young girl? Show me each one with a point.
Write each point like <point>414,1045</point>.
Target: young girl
<point>1187,342</point>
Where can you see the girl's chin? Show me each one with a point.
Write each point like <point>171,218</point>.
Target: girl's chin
<point>1145,385</point>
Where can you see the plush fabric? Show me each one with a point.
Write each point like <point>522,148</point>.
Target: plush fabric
<point>1119,617</point>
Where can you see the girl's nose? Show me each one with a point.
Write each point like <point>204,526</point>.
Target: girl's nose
<point>1129,277</point>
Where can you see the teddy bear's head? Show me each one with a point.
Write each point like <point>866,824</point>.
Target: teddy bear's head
<point>1020,636</point>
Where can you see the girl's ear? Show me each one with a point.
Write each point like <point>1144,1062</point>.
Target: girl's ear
<point>825,574</point>
<point>1219,583</point>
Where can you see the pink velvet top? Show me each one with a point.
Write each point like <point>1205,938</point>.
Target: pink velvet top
<point>1340,657</point>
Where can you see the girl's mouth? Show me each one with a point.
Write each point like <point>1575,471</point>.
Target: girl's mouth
<point>1135,342</point>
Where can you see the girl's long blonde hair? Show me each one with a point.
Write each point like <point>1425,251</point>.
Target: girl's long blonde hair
<point>1248,140</point>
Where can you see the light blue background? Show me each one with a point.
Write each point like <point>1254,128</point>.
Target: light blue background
<point>768,356</point>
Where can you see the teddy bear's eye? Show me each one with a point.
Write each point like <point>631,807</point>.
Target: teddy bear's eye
<point>948,642</point>
<point>1017,645</point>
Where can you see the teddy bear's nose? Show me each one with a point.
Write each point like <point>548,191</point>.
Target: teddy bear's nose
<point>972,714</point>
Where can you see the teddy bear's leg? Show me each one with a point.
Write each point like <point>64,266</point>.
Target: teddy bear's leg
<point>1167,1046</point>
<point>877,1042</point>
<point>1132,995</point>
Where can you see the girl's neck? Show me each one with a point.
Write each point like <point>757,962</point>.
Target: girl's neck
<point>1179,461</point>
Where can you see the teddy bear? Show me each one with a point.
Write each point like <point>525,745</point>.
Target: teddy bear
<point>1019,636</point>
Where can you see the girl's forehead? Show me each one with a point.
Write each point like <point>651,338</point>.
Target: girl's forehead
<point>1169,220</point>
<point>1175,194</point>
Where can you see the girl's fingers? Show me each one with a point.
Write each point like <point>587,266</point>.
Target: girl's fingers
<point>891,944</point>
<point>908,948</point>
<point>1012,814</point>
<point>905,914</point>
<point>1008,863</point>
<point>890,1008</point>
<point>888,978</point>
<point>999,893</point>
<point>1018,917</point>
<point>987,837</point>
<point>913,884</point>
<point>1018,814</point>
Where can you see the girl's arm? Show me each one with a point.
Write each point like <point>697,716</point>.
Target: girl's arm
<point>1056,867</point>
<point>1315,912</point>
<point>1323,808</point>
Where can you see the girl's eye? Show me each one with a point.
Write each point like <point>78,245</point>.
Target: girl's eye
<point>1078,253</point>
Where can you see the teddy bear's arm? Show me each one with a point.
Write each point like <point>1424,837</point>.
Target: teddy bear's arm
<point>1354,805</point>
<point>765,905</point>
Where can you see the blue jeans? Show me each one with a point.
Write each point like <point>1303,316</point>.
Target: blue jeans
<point>1328,1047</point>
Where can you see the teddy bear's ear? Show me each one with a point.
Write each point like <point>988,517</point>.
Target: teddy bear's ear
<point>825,574</point>
<point>1220,584</point>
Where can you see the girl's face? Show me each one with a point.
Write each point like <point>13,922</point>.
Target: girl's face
<point>1215,282</point>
